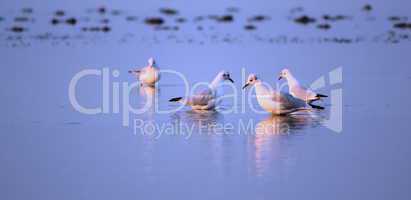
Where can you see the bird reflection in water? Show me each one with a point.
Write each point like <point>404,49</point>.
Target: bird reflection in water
<point>206,128</point>
<point>203,122</point>
<point>148,98</point>
<point>272,141</point>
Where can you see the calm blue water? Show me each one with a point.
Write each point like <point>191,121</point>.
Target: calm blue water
<point>48,150</point>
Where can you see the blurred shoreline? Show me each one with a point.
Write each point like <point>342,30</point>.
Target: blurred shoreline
<point>234,25</point>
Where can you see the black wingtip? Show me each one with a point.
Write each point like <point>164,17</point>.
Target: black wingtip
<point>321,95</point>
<point>175,99</point>
<point>316,107</point>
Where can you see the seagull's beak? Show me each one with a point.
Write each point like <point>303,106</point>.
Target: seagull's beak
<point>280,77</point>
<point>246,85</point>
<point>231,80</point>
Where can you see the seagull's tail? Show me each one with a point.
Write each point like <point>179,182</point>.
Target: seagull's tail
<point>136,72</point>
<point>320,95</point>
<point>315,106</point>
<point>175,99</point>
<point>316,98</point>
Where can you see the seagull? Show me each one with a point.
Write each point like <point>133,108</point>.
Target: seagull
<point>206,99</point>
<point>277,103</point>
<point>148,75</point>
<point>298,91</point>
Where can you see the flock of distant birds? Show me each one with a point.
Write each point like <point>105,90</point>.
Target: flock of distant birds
<point>19,24</point>
<point>272,101</point>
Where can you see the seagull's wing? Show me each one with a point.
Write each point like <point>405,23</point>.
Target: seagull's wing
<point>287,101</point>
<point>303,93</point>
<point>309,93</point>
<point>202,98</point>
<point>199,100</point>
<point>206,91</point>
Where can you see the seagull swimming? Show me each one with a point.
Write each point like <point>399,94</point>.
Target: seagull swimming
<point>148,75</point>
<point>277,103</point>
<point>206,99</point>
<point>298,91</point>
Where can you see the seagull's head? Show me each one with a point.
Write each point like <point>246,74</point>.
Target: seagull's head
<point>224,75</point>
<point>151,62</point>
<point>285,73</point>
<point>251,80</point>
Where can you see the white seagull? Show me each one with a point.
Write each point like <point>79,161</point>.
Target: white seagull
<point>299,91</point>
<point>206,99</point>
<point>277,103</point>
<point>148,75</point>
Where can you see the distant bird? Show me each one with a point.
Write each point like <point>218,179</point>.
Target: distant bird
<point>148,75</point>
<point>299,91</point>
<point>208,98</point>
<point>277,103</point>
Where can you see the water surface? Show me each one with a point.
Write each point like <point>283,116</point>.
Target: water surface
<point>48,150</point>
